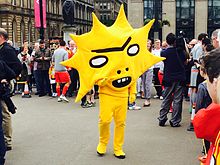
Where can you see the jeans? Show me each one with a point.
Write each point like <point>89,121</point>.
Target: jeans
<point>36,77</point>
<point>173,93</point>
<point>147,83</point>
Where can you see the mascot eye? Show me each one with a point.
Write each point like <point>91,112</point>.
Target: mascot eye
<point>98,61</point>
<point>133,50</point>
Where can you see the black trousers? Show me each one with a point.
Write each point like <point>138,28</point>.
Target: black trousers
<point>44,82</point>
<point>157,84</point>
<point>74,77</point>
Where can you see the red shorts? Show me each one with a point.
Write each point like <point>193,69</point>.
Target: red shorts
<point>62,77</point>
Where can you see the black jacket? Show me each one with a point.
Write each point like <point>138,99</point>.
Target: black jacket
<point>6,72</point>
<point>173,65</point>
<point>43,64</point>
<point>8,55</point>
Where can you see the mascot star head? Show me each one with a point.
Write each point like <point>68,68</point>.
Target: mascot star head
<point>116,54</point>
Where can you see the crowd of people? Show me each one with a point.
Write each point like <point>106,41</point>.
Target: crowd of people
<point>191,71</point>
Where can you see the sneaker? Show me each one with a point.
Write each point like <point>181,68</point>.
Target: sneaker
<point>203,158</point>
<point>87,105</point>
<point>156,97</point>
<point>146,103</point>
<point>138,95</point>
<point>59,99</point>
<point>134,107</point>
<point>54,94</point>
<point>161,97</point>
<point>63,98</point>
<point>93,104</point>
<point>8,148</point>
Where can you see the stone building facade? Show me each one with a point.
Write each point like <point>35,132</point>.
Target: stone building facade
<point>107,10</point>
<point>17,17</point>
<point>190,16</point>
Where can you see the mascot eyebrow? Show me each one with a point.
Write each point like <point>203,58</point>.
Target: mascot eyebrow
<point>115,49</point>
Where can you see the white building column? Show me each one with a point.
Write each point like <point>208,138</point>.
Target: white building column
<point>169,13</point>
<point>201,16</point>
<point>136,13</point>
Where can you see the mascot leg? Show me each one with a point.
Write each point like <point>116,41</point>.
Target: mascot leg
<point>105,117</point>
<point>119,118</point>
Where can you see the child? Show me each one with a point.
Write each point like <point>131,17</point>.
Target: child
<point>90,101</point>
<point>52,80</point>
<point>203,100</point>
<point>206,122</point>
<point>6,74</point>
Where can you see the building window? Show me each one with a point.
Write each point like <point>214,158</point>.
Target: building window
<point>14,32</point>
<point>148,9</point>
<point>29,32</point>
<point>52,7</point>
<point>213,15</point>
<point>80,12</point>
<point>104,17</point>
<point>153,9</point>
<point>22,31</point>
<point>77,13</point>
<point>58,7</point>
<point>48,6</point>
<point>104,5</point>
<point>185,17</point>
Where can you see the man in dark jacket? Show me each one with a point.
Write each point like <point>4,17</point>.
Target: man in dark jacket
<point>173,81</point>
<point>8,55</point>
<point>43,58</point>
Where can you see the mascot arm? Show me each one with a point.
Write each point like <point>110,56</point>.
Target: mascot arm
<point>102,82</point>
<point>132,93</point>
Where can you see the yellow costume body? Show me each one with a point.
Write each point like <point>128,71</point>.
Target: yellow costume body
<point>113,58</point>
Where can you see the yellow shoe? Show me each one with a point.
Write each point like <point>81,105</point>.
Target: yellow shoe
<point>101,149</point>
<point>119,154</point>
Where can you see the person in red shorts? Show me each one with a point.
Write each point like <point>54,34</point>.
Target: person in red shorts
<point>61,73</point>
<point>207,121</point>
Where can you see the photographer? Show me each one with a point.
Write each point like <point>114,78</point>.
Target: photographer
<point>25,59</point>
<point>8,55</point>
<point>173,81</point>
<point>6,74</point>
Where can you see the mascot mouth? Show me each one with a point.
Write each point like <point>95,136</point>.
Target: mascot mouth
<point>122,82</point>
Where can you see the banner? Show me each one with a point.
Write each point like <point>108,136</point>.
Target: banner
<point>37,13</point>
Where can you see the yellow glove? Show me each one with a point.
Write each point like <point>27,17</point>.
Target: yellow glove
<point>132,98</point>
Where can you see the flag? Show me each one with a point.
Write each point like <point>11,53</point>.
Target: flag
<point>37,13</point>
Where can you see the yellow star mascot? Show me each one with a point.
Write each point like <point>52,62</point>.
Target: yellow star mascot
<point>113,58</point>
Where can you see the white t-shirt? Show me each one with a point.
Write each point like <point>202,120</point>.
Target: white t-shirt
<point>157,52</point>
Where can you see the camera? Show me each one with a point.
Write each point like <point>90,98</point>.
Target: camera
<point>180,41</point>
<point>5,95</point>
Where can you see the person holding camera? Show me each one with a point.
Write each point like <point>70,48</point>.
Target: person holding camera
<point>6,74</point>
<point>43,58</point>
<point>8,55</point>
<point>173,81</point>
<point>25,59</point>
